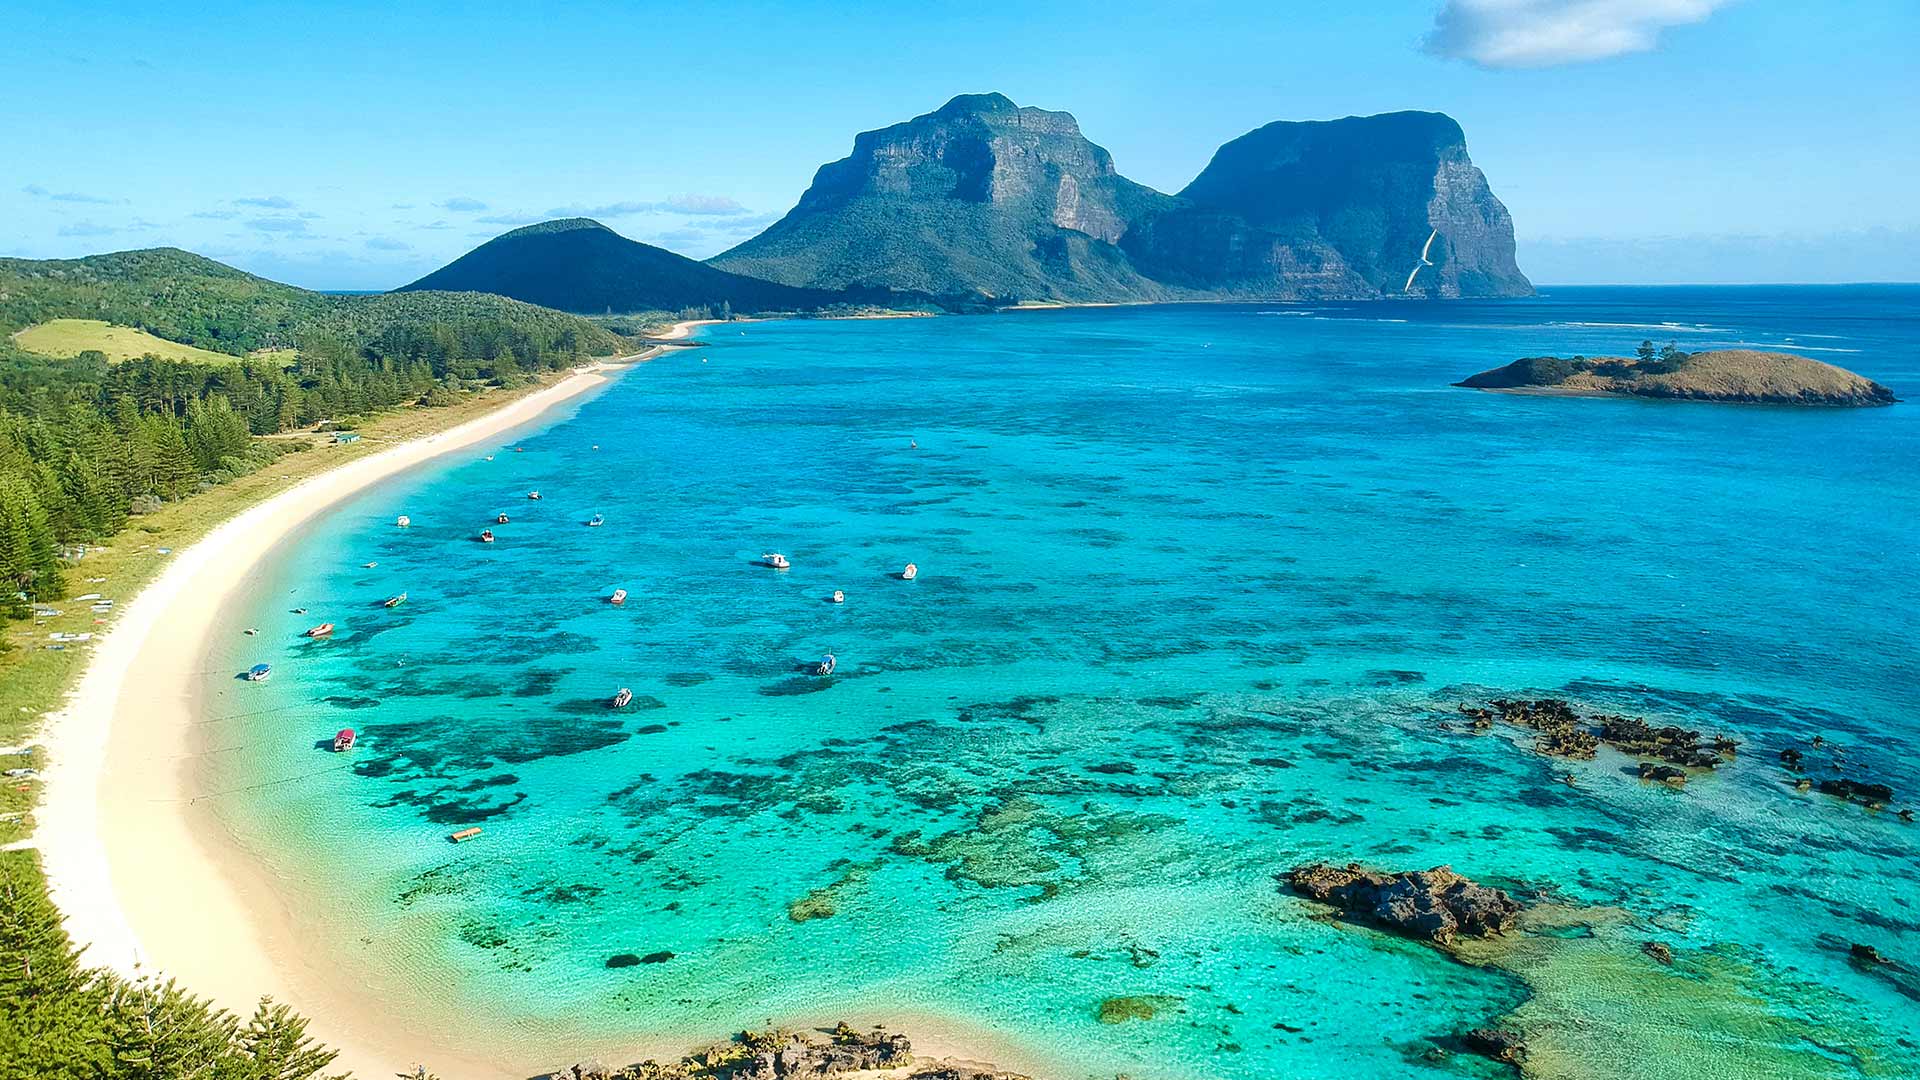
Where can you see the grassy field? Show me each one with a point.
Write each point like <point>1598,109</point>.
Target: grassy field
<point>66,338</point>
<point>35,679</point>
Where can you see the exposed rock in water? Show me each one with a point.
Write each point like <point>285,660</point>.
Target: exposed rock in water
<point>625,959</point>
<point>1741,376</point>
<point>1659,951</point>
<point>785,1055</point>
<point>1665,774</point>
<point>1562,732</point>
<point>1431,905</point>
<point>1857,791</point>
<point>1502,1046</point>
<point>1867,954</point>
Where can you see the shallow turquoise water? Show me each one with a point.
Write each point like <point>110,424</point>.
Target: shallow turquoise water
<point>1197,585</point>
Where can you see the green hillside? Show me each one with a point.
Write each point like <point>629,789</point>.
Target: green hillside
<point>72,337</point>
<point>577,264</point>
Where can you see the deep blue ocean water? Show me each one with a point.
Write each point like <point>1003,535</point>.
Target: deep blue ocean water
<point>1200,589</point>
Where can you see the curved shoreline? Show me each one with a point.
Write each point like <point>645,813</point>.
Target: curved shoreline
<point>117,816</point>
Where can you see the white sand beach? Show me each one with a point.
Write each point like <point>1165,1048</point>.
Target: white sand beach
<point>150,884</point>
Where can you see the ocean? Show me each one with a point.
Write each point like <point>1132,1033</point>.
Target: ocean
<point>1201,590</point>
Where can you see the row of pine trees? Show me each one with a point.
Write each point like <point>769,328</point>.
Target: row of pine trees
<point>85,444</point>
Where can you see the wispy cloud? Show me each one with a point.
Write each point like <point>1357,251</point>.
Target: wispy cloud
<point>87,229</point>
<point>382,243</point>
<point>460,204</point>
<point>619,209</point>
<point>718,205</point>
<point>215,215</point>
<point>1548,33</point>
<point>282,225</point>
<point>65,196</point>
<point>266,202</point>
<point>513,219</point>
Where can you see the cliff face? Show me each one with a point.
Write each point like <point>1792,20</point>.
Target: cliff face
<point>1369,206</point>
<point>979,197</point>
<point>986,198</point>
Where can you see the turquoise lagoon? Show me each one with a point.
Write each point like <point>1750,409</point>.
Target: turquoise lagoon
<point>1200,588</point>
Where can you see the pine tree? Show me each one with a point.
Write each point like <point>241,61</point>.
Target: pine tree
<point>29,556</point>
<point>276,1045</point>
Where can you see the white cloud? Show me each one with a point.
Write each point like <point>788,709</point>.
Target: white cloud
<point>1547,33</point>
<point>269,202</point>
<point>461,204</point>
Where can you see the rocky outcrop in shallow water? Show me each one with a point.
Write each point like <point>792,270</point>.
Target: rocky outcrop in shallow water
<point>1502,1046</point>
<point>1563,732</point>
<point>1429,905</point>
<point>788,1055</point>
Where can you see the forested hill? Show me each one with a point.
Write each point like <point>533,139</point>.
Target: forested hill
<point>578,264</point>
<point>85,443</point>
<point>185,297</point>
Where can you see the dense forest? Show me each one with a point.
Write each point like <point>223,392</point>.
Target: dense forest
<point>85,443</point>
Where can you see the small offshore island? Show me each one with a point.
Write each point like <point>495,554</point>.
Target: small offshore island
<point>1740,376</point>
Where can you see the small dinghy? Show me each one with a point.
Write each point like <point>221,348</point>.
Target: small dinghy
<point>486,536</point>
<point>825,666</point>
<point>369,566</point>
<point>622,699</point>
<point>395,600</point>
<point>596,521</point>
<point>909,572</point>
<point>325,629</point>
<point>343,741</point>
<point>464,834</point>
<point>403,521</point>
<point>533,495</point>
<point>619,597</point>
<point>500,520</point>
<point>259,672</point>
<point>775,560</point>
<point>839,597</point>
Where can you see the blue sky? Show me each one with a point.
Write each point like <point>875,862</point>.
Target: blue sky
<point>359,145</point>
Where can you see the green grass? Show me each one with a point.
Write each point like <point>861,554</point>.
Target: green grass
<point>35,680</point>
<point>68,338</point>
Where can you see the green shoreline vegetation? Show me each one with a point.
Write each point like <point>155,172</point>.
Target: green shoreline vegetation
<point>108,464</point>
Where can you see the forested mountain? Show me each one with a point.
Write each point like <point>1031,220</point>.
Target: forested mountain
<point>984,198</point>
<point>84,443</point>
<point>1340,208</point>
<point>578,264</point>
<point>980,197</point>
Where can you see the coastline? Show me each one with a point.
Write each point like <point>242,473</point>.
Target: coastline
<point>111,824</point>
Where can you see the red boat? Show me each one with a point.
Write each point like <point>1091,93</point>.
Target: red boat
<point>486,536</point>
<point>343,741</point>
<point>322,630</point>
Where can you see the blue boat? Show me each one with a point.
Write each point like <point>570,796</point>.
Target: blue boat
<point>259,672</point>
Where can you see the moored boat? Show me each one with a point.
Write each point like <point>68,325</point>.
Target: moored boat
<point>464,834</point>
<point>775,560</point>
<point>596,521</point>
<point>343,741</point>
<point>403,521</point>
<point>259,672</point>
<point>622,699</point>
<point>486,536</point>
<point>395,600</point>
<point>825,666</point>
<point>533,495</point>
<point>500,520</point>
<point>839,597</point>
<point>909,572</point>
<point>323,630</point>
<point>619,596</point>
